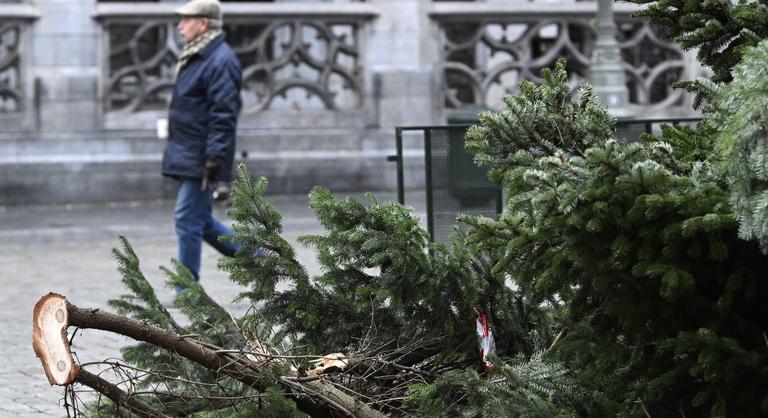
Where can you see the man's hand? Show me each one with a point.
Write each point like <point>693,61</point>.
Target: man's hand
<point>213,166</point>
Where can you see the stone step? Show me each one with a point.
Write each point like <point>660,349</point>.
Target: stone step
<point>53,171</point>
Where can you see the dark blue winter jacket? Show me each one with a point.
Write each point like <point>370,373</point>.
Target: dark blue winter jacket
<point>202,121</point>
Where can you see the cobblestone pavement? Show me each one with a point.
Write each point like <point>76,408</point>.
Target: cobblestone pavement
<point>67,250</point>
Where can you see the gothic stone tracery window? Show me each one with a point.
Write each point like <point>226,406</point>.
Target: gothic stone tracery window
<point>11,96</point>
<point>485,60</point>
<point>287,63</point>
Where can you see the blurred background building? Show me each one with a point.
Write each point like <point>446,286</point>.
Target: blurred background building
<point>83,82</point>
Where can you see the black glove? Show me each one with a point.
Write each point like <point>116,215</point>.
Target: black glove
<point>213,166</point>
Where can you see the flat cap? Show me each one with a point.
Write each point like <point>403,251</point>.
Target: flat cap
<point>210,9</point>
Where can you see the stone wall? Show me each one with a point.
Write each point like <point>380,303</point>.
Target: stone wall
<point>82,84</point>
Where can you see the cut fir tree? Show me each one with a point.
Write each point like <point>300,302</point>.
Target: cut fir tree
<point>402,311</point>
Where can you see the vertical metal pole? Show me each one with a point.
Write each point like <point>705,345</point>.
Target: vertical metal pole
<point>400,167</point>
<point>500,201</point>
<point>37,103</point>
<point>428,179</point>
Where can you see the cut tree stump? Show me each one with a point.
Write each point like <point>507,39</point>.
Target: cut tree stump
<point>50,320</point>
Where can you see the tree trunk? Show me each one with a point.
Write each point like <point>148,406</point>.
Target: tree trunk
<point>53,314</point>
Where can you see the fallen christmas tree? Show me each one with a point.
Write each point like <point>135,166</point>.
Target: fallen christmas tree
<point>403,310</point>
<point>627,264</point>
<point>638,274</point>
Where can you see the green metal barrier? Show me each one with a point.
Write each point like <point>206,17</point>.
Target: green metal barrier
<point>466,181</point>
<point>632,129</point>
<point>454,185</point>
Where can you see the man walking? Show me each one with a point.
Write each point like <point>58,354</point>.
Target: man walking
<point>202,123</point>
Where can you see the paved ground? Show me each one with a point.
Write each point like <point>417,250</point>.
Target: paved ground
<point>67,250</point>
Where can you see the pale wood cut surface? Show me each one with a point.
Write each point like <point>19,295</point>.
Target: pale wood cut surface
<point>49,339</point>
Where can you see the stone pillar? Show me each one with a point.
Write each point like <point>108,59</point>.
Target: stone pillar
<point>607,71</point>
<point>401,53</point>
<point>65,57</point>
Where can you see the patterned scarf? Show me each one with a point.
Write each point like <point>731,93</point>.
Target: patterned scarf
<point>195,46</point>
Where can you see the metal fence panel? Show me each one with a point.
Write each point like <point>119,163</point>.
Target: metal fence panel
<point>454,185</point>
<point>457,185</point>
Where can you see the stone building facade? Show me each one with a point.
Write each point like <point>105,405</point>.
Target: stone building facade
<point>83,82</point>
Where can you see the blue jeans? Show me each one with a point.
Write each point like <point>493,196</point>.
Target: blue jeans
<point>195,223</point>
